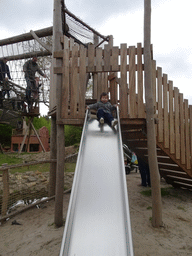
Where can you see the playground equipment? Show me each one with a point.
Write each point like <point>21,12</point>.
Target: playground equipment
<point>120,72</point>
<point>98,221</point>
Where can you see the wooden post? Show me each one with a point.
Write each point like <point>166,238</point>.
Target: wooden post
<point>57,33</point>
<point>53,155</point>
<point>5,192</point>
<point>95,77</point>
<point>151,139</point>
<point>23,142</point>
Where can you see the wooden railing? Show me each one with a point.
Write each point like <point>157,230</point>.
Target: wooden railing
<point>174,128</point>
<point>120,71</point>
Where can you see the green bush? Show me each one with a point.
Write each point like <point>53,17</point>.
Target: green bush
<point>41,121</point>
<point>72,135</point>
<point>5,134</point>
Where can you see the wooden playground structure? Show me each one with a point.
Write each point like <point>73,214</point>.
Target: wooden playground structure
<point>119,71</point>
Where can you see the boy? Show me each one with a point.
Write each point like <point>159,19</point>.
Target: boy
<point>104,110</point>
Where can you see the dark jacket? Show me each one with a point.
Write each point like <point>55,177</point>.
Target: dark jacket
<point>4,69</point>
<point>30,68</point>
<point>107,107</point>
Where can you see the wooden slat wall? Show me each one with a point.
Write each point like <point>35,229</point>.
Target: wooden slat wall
<point>132,91</point>
<point>187,137</point>
<point>182,137</point>
<point>174,121</point>
<point>141,109</point>
<point>174,128</point>
<point>160,105</point>
<point>65,80</point>
<point>82,82</point>
<point>171,119</point>
<point>165,112</point>
<point>177,130</point>
<point>123,86</point>
<point>74,82</point>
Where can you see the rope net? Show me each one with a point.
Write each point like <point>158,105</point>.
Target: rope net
<point>17,55</point>
<point>18,52</point>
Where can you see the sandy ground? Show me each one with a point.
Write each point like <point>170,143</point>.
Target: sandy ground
<point>38,236</point>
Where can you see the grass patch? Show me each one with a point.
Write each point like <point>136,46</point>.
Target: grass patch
<point>149,208</point>
<point>164,192</point>
<point>33,168</point>
<point>70,167</point>
<point>10,159</point>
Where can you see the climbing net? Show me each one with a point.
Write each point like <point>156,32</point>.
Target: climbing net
<point>17,54</point>
<point>21,48</point>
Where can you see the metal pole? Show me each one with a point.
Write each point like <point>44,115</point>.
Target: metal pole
<point>151,137</point>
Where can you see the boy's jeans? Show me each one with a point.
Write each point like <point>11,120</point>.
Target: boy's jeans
<point>107,116</point>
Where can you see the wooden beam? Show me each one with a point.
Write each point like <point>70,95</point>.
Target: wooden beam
<point>27,36</point>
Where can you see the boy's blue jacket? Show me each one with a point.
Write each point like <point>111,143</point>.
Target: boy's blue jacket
<point>107,107</point>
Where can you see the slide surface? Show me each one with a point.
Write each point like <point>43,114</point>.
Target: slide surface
<point>98,221</point>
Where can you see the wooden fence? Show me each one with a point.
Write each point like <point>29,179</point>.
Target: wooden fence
<point>120,71</point>
<point>174,128</point>
<point>116,70</point>
<point>6,197</point>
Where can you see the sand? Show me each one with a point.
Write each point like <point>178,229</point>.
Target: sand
<point>38,236</point>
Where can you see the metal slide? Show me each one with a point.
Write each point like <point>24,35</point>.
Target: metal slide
<point>98,220</point>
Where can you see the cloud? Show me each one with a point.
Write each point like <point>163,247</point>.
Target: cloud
<point>21,16</point>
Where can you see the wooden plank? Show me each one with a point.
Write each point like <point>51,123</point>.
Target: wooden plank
<point>5,192</point>
<point>114,59</point>
<point>82,81</point>
<point>91,55</point>
<point>65,85</point>
<point>132,89</point>
<point>187,141</point>
<point>106,57</point>
<point>123,85</point>
<point>160,106</point>
<point>177,132</point>
<point>99,59</point>
<point>171,119</point>
<point>190,120</point>
<point>141,112</point>
<point>154,84</point>
<point>165,107</point>
<point>99,85</point>
<point>182,141</point>
<point>74,82</point>
<point>95,85</point>
<point>114,66</point>
<point>153,62</point>
<point>104,82</point>
<point>173,173</point>
<point>113,87</point>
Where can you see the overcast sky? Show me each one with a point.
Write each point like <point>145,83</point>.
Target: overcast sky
<point>171,28</point>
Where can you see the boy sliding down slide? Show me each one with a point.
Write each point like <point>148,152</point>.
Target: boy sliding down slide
<point>104,110</point>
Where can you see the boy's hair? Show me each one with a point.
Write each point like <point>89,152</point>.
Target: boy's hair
<point>103,94</point>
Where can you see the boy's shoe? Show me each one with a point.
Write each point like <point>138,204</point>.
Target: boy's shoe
<point>114,122</point>
<point>101,121</point>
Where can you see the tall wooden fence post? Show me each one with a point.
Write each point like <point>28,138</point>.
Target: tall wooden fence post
<point>5,192</point>
<point>57,33</point>
<point>151,138</point>
<point>53,155</point>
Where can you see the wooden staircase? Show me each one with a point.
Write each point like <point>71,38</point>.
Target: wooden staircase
<point>170,169</point>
